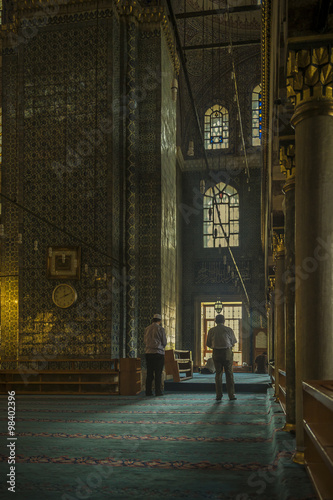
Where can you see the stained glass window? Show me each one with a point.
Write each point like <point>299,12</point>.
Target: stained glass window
<point>0,11</point>
<point>221,209</point>
<point>256,116</point>
<point>216,127</point>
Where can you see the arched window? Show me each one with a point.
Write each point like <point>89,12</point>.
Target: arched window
<point>220,206</point>
<point>256,116</point>
<point>216,127</point>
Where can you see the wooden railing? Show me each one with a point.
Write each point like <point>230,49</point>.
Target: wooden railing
<point>318,426</point>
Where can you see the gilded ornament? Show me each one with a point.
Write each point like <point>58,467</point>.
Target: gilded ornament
<point>298,82</point>
<point>303,59</point>
<point>287,160</point>
<point>326,74</point>
<point>311,76</point>
<point>318,90</point>
<point>278,244</point>
<point>305,96</point>
<point>290,87</point>
<point>320,56</point>
<point>329,91</point>
<point>292,66</point>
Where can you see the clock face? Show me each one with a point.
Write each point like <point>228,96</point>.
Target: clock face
<point>64,296</point>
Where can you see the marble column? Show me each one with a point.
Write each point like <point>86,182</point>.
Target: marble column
<point>279,342</point>
<point>287,162</point>
<point>310,85</point>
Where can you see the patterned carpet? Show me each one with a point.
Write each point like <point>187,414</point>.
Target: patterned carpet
<point>181,446</point>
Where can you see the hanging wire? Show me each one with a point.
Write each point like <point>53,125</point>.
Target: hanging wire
<point>234,77</point>
<point>247,305</point>
<point>51,224</point>
<point>203,68</point>
<point>219,72</point>
<point>215,187</point>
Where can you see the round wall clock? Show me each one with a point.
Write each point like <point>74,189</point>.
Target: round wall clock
<point>64,295</point>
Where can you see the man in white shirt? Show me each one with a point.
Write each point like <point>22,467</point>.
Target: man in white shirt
<point>221,339</point>
<point>155,341</point>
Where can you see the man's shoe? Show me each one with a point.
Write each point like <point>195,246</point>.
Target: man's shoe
<point>219,399</point>
<point>149,394</point>
<point>160,394</point>
<point>232,399</point>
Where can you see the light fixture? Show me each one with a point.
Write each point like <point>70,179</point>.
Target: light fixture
<point>218,306</point>
<point>174,89</point>
<point>190,151</point>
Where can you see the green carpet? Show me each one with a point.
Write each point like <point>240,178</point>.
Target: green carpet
<point>181,446</point>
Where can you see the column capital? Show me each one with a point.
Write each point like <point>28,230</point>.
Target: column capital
<point>309,74</point>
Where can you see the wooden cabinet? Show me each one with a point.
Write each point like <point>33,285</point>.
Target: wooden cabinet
<point>179,364</point>
<point>72,376</point>
<point>130,376</point>
<point>318,427</point>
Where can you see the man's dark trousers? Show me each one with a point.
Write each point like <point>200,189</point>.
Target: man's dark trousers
<point>223,358</point>
<point>155,363</point>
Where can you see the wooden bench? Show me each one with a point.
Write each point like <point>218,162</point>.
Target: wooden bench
<point>318,426</point>
<point>178,362</point>
<point>71,376</point>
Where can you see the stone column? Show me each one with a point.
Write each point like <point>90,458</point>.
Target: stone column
<point>310,86</point>
<point>279,342</point>
<point>287,162</point>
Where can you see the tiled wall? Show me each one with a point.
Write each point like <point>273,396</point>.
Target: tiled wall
<point>67,81</point>
<point>149,180</point>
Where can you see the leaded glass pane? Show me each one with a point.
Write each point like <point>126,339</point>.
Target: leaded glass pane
<point>216,129</point>
<point>256,116</point>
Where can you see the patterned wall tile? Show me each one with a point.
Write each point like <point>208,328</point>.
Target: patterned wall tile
<point>66,177</point>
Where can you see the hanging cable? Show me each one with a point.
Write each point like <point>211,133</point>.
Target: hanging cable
<point>234,77</point>
<point>232,256</point>
<point>51,224</point>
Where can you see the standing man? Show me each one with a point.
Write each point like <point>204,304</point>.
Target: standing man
<point>155,341</point>
<point>221,339</point>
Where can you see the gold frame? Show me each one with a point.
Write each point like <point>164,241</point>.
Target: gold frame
<point>64,269</point>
